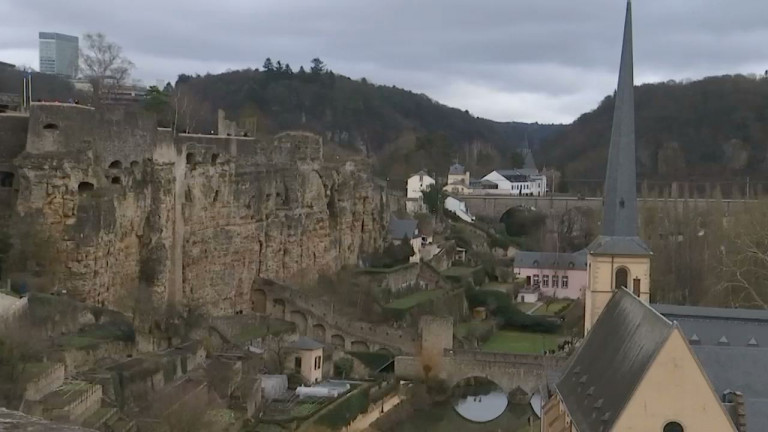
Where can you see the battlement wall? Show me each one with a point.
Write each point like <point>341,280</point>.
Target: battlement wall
<point>13,136</point>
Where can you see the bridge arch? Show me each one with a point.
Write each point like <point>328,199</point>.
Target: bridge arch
<point>259,301</point>
<point>338,341</point>
<point>358,345</point>
<point>318,332</point>
<point>298,318</point>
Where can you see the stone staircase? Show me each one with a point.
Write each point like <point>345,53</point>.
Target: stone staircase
<point>108,419</point>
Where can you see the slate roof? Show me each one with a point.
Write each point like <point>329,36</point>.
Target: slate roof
<point>456,169</point>
<point>551,260</point>
<point>529,163</point>
<point>306,344</point>
<point>510,173</point>
<point>399,228</point>
<point>606,245</point>
<point>611,362</point>
<point>732,347</point>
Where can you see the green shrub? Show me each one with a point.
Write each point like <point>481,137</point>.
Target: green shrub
<point>508,315</point>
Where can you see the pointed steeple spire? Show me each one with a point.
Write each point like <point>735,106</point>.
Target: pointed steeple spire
<point>619,226</point>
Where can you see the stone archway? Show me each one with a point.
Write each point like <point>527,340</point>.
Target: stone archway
<point>318,332</point>
<point>259,301</point>
<point>338,341</point>
<point>278,308</point>
<point>359,346</point>
<point>298,318</point>
<point>386,351</point>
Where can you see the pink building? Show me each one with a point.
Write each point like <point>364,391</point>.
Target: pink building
<point>560,275</point>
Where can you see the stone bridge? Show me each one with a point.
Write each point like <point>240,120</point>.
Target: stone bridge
<point>495,206</point>
<point>314,317</point>
<point>510,371</point>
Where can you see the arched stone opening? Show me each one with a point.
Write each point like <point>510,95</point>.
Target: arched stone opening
<point>214,158</point>
<point>385,351</point>
<point>6,179</point>
<point>318,332</point>
<point>116,180</point>
<point>479,399</point>
<point>116,164</point>
<point>191,158</point>
<point>621,279</point>
<point>338,341</point>
<point>359,346</point>
<point>134,165</point>
<point>259,301</point>
<point>85,187</point>
<point>298,318</point>
<point>278,308</point>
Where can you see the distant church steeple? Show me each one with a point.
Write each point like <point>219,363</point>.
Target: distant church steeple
<point>618,231</point>
<point>618,258</point>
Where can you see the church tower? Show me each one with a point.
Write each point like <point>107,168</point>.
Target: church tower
<point>618,257</point>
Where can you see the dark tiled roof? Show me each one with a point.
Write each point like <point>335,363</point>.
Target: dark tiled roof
<point>551,260</point>
<point>529,163</point>
<point>456,169</point>
<point>732,347</point>
<point>399,228</point>
<point>605,245</point>
<point>612,361</point>
<point>305,343</point>
<point>741,369</point>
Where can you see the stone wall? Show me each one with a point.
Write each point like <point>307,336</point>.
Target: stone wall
<point>134,211</point>
<point>45,383</point>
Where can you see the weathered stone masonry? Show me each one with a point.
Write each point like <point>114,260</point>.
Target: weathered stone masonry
<point>194,218</point>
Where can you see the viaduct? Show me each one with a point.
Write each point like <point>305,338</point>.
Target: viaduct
<point>315,318</point>
<point>495,206</point>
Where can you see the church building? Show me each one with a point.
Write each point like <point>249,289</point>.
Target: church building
<point>643,367</point>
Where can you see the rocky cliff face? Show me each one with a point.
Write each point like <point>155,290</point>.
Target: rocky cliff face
<point>135,212</point>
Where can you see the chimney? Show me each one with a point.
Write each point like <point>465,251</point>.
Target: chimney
<point>733,402</point>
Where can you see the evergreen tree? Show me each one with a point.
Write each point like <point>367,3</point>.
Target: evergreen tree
<point>279,66</point>
<point>288,69</point>
<point>268,66</point>
<point>318,66</point>
<point>301,70</point>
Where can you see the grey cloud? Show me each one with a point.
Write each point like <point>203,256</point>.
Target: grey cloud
<point>528,60</point>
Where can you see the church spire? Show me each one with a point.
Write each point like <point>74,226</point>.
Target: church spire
<point>620,195</point>
<point>618,234</point>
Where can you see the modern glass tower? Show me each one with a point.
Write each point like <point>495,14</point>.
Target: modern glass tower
<point>59,54</point>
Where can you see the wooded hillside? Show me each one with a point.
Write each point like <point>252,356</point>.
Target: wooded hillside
<point>715,128</point>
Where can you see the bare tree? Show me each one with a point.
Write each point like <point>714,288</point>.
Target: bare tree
<point>102,62</point>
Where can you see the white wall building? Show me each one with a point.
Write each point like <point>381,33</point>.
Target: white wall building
<point>459,208</point>
<point>519,182</point>
<point>416,184</point>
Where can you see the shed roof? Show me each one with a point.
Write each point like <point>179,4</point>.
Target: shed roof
<point>399,228</point>
<point>305,344</point>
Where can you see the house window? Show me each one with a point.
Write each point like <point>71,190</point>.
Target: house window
<point>297,363</point>
<point>545,281</point>
<point>673,427</point>
<point>622,277</point>
<point>564,283</point>
<point>318,362</point>
<point>636,286</point>
<point>555,281</point>
<point>535,280</point>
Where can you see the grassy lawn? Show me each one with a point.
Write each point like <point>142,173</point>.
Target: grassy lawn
<point>459,271</point>
<point>511,341</point>
<point>258,330</point>
<point>525,307</point>
<point>414,299</point>
<point>554,307</point>
<point>463,329</point>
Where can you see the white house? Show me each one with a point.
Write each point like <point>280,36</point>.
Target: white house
<point>519,182</point>
<point>417,183</point>
<point>459,208</point>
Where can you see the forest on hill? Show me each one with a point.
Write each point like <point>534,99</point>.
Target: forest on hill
<point>714,128</point>
<point>402,130</point>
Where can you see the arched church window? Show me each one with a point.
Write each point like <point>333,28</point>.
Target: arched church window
<point>622,278</point>
<point>673,427</point>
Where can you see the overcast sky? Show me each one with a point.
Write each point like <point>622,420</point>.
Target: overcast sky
<point>523,60</point>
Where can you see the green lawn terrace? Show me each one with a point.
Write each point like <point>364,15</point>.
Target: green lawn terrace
<point>527,307</point>
<point>552,309</point>
<point>499,286</point>
<point>517,342</point>
<point>460,271</point>
<point>242,329</point>
<point>410,301</point>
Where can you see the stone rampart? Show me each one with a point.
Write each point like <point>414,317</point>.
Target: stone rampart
<point>315,317</point>
<point>44,383</point>
<point>192,218</point>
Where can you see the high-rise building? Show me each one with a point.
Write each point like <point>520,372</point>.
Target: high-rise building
<point>59,54</point>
